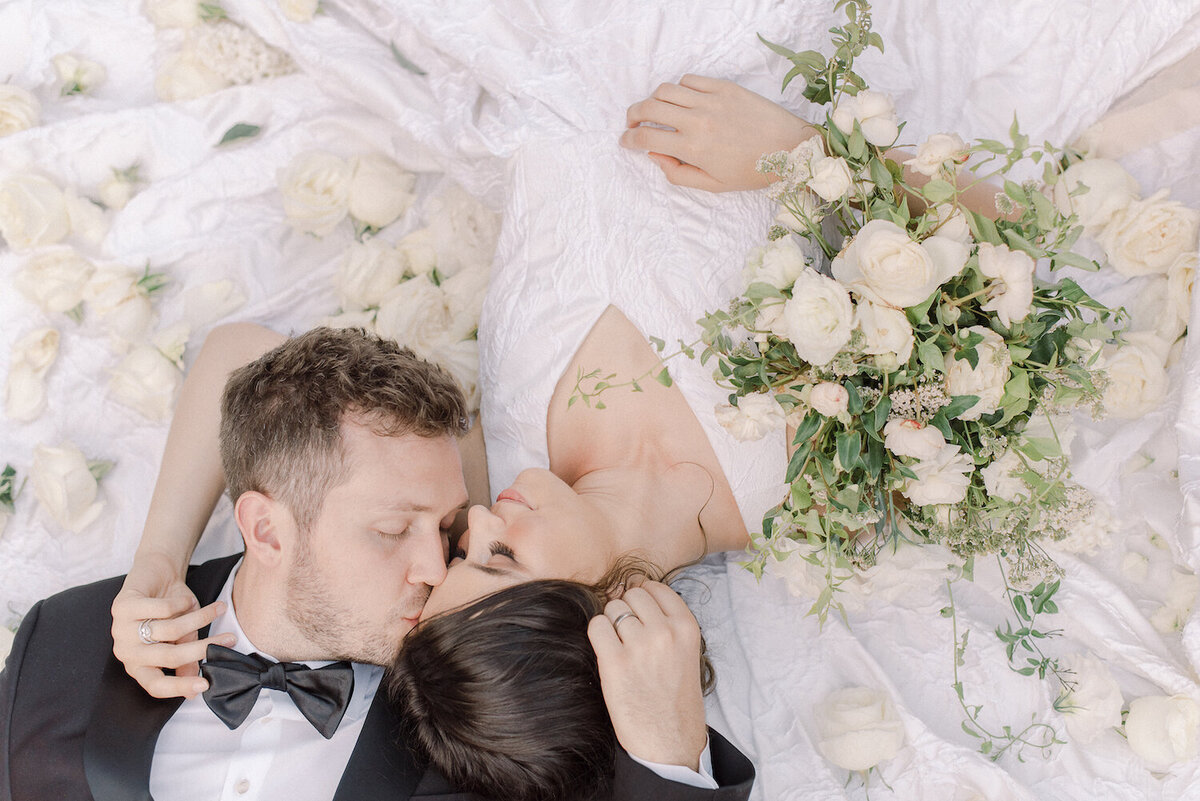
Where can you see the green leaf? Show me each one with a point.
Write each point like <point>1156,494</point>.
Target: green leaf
<point>99,469</point>
<point>854,404</point>
<point>797,462</point>
<point>931,355</point>
<point>857,144</point>
<point>880,175</point>
<point>881,413</point>
<point>1072,259</point>
<point>849,446</point>
<point>664,377</point>
<point>243,130</point>
<point>969,730</point>
<point>404,62</point>
<point>983,228</point>
<point>807,428</point>
<point>957,405</point>
<point>657,343</point>
<point>938,191</point>
<point>1018,242</point>
<point>211,11</point>
<point>874,459</point>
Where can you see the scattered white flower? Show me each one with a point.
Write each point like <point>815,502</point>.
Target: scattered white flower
<point>78,75</point>
<point>999,480</point>
<point>829,399</point>
<point>858,728</point>
<point>185,76</point>
<point>119,188</point>
<point>1163,730</point>
<point>767,319</point>
<point>299,10</point>
<point>419,251</point>
<point>1177,311</point>
<point>464,292</point>
<point>886,330</point>
<point>464,231</point>
<point>54,278</point>
<point>114,295</point>
<point>88,221</point>
<point>1148,236</point>
<point>1137,378</point>
<point>884,264</point>
<point>940,152</point>
<point>368,272</point>
<point>235,53</point>
<point>173,13</point>
<point>352,319</point>
<point>1109,190</point>
<point>461,360</point>
<point>1093,707</point>
<point>1177,608</point>
<point>778,264</point>
<point>1010,292</point>
<point>817,319</point>
<point>316,191</point>
<point>753,418</point>
<point>19,110</point>
<point>986,379</point>
<point>33,212</point>
<point>64,486</point>
<point>913,439</point>
<point>831,178</point>
<point>1090,535</point>
<point>1135,567</point>
<point>172,342</point>
<point>873,111</point>
<point>25,391</point>
<point>414,314</point>
<point>380,190</point>
<point>146,381</point>
<point>209,302</point>
<point>942,479</point>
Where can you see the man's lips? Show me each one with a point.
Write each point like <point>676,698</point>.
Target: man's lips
<point>511,494</point>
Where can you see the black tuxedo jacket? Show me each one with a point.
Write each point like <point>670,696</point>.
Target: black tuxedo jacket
<point>74,725</point>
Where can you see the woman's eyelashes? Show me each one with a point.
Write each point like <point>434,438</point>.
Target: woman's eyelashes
<point>500,549</point>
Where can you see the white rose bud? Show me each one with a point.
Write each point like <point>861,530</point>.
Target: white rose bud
<point>25,390</point>
<point>1109,189</point>
<point>1150,235</point>
<point>829,399</point>
<point>119,188</point>
<point>886,330</point>
<point>858,728</point>
<point>753,418</point>
<point>952,224</point>
<point>78,75</point>
<point>368,272</point>
<point>146,381</point>
<point>19,110</point>
<point>184,76</point>
<point>875,114</point>
<point>65,487</point>
<point>999,480</point>
<point>88,221</point>
<point>419,251</point>
<point>316,191</point>
<point>33,212</point>
<point>207,303</point>
<point>937,153</point>
<point>1181,597</point>
<point>1010,292</point>
<point>380,190</point>
<point>1137,378</point>
<point>54,279</point>
<point>1163,730</point>
<point>173,13</point>
<point>172,342</point>
<point>884,264</point>
<point>831,178</point>
<point>912,438</point>
<point>778,264</point>
<point>299,10</point>
<point>986,380</point>
<point>817,319</point>
<point>940,480</point>
<point>120,304</point>
<point>1093,707</point>
<point>1178,307</point>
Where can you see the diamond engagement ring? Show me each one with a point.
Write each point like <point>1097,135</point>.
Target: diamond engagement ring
<point>621,617</point>
<point>144,633</point>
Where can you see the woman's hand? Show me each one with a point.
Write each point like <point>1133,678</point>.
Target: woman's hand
<point>717,133</point>
<point>154,591</point>
<point>650,673</point>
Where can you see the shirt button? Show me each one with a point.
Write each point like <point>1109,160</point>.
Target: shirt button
<point>241,787</point>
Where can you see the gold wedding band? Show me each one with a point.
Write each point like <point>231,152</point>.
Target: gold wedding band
<point>144,633</point>
<point>622,616</point>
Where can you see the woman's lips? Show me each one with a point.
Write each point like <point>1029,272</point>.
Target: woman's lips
<point>511,494</point>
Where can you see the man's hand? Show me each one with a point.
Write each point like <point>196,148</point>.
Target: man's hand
<point>650,674</point>
<point>155,591</point>
<point>718,132</point>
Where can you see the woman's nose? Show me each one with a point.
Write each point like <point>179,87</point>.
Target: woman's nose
<point>481,523</point>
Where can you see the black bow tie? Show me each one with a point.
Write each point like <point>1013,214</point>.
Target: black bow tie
<point>234,680</point>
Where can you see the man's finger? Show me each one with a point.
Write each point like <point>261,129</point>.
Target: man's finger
<point>681,174</point>
<point>657,112</point>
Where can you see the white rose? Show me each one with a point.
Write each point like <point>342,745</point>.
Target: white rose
<point>753,418</point>
<point>78,74</point>
<point>316,190</point>
<point>1135,567</point>
<point>172,341</point>
<point>173,13</point>
<point>883,263</point>
<point>802,156</point>
<point>803,205</point>
<point>209,302</point>
<point>88,221</point>
<point>829,399</point>
<point>986,380</point>
<point>299,10</point>
<point>1137,379</point>
<point>999,480</point>
<point>858,728</point>
<point>831,178</point>
<point>19,110</point>
<point>1149,235</point>
<point>1010,293</point>
<point>116,191</point>
<point>1163,730</point>
<point>886,330</point>
<point>463,230</point>
<point>414,314</point>
<point>25,389</point>
<point>938,152</point>
<point>951,223</point>
<point>875,114</point>
<point>146,381</point>
<point>419,250</point>
<point>354,319</point>
<point>461,360</point>
<point>941,480</point>
<point>1094,706</point>
<point>185,76</point>
<point>464,293</point>
<point>1177,608</point>
<point>1181,278</point>
<point>368,272</point>
<point>64,486</point>
<point>118,302</point>
<point>817,319</point>
<point>911,438</point>
<point>33,212</point>
<point>1109,189</point>
<point>778,264</point>
<point>380,190</point>
<point>54,278</point>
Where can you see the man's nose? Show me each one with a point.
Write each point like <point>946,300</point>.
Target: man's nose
<point>428,564</point>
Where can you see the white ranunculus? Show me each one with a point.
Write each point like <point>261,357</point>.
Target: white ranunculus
<point>19,110</point>
<point>753,418</point>
<point>33,212</point>
<point>415,315</point>
<point>1109,190</point>
<point>884,264</point>
<point>951,223</point>
<point>1150,235</point>
<point>875,114</point>
<point>464,231</point>
<point>1163,730</point>
<point>316,191</point>
<point>938,152</point>
<point>912,438</point>
<point>1094,706</point>
<point>886,330</point>
<point>88,221</point>
<point>54,278</point>
<point>986,379</point>
<point>368,272</point>
<point>999,480</point>
<point>299,10</point>
<point>380,190</point>
<point>817,319</point>
<point>858,728</point>
<point>114,296</point>
<point>146,381</point>
<point>173,13</point>
<point>184,76</point>
<point>778,264</point>
<point>829,399</point>
<point>209,302</point>
<point>1010,292</point>
<point>940,480</point>
<point>64,486</point>
<point>1137,379</point>
<point>78,74</point>
<point>831,178</point>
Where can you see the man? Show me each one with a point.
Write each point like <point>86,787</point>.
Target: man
<point>340,452</point>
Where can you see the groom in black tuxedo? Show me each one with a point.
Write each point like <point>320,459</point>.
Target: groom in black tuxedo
<point>340,452</point>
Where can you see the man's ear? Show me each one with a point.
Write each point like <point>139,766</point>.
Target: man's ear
<point>262,522</point>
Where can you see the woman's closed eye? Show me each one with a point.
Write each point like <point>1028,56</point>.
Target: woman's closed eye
<point>500,549</point>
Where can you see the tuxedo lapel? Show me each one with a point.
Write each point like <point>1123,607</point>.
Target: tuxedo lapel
<point>125,722</point>
<point>381,767</point>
